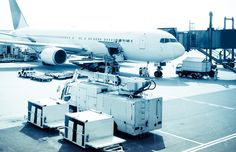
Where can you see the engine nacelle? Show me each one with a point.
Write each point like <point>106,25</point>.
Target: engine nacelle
<point>53,56</point>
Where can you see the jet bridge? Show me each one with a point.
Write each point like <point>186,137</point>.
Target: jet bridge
<point>217,45</point>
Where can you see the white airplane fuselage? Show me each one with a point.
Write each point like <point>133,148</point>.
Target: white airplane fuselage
<point>140,46</point>
<point>53,45</point>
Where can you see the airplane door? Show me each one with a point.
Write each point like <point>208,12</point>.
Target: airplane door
<point>142,42</point>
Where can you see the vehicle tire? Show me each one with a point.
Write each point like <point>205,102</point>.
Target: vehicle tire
<point>231,65</point>
<point>211,74</point>
<point>180,74</point>
<point>200,75</point>
<point>194,76</point>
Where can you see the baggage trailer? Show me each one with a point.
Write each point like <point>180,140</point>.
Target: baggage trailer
<point>60,75</point>
<point>195,68</point>
<point>41,77</point>
<point>26,72</point>
<point>47,113</point>
<point>91,129</point>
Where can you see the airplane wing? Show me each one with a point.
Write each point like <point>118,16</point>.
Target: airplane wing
<point>69,48</point>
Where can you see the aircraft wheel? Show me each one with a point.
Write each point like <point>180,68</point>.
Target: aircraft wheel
<point>158,74</point>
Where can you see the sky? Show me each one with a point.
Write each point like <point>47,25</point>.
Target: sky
<point>120,14</point>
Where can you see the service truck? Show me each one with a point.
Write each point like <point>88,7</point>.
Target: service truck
<point>195,68</point>
<point>120,97</point>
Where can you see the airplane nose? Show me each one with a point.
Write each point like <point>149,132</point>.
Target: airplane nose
<point>181,50</point>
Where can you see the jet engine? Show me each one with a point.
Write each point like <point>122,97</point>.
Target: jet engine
<point>53,56</point>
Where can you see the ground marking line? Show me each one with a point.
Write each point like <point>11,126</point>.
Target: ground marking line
<point>209,104</point>
<point>211,143</point>
<point>179,137</point>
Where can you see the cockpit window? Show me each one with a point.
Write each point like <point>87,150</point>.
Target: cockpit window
<point>167,40</point>
<point>162,40</point>
<point>173,40</point>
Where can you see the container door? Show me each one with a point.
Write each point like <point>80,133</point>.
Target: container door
<point>79,135</point>
<point>70,130</point>
<point>39,117</point>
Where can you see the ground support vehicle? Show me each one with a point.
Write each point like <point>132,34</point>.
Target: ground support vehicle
<point>120,97</point>
<point>41,77</point>
<point>91,129</point>
<point>60,75</point>
<point>47,113</point>
<point>195,68</point>
<point>26,72</point>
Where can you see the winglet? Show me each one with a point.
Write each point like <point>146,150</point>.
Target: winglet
<point>17,16</point>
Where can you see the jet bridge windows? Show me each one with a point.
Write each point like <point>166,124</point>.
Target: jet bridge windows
<point>167,40</point>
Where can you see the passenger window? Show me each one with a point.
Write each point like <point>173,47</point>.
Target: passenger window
<point>162,40</point>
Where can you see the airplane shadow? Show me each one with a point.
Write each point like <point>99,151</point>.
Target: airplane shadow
<point>222,82</point>
<point>176,81</point>
<point>173,81</point>
<point>37,133</point>
<point>37,66</point>
<point>148,142</point>
<point>69,146</point>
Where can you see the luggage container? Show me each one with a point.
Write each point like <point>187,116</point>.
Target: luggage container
<point>90,129</point>
<point>47,113</point>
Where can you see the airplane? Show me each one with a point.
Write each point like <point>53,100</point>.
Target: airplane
<point>155,45</point>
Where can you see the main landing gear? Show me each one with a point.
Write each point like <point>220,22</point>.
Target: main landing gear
<point>158,73</point>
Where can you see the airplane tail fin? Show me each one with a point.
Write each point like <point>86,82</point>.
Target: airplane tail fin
<point>17,16</point>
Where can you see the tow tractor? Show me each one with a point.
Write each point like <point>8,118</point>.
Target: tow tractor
<point>29,72</point>
<point>26,72</point>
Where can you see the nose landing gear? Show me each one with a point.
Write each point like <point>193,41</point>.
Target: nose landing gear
<point>158,73</point>
<point>144,72</point>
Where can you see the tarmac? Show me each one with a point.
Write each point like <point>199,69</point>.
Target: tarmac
<point>198,115</point>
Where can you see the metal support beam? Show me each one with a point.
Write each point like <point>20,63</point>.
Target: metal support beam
<point>210,37</point>
<point>230,19</point>
<point>232,53</point>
